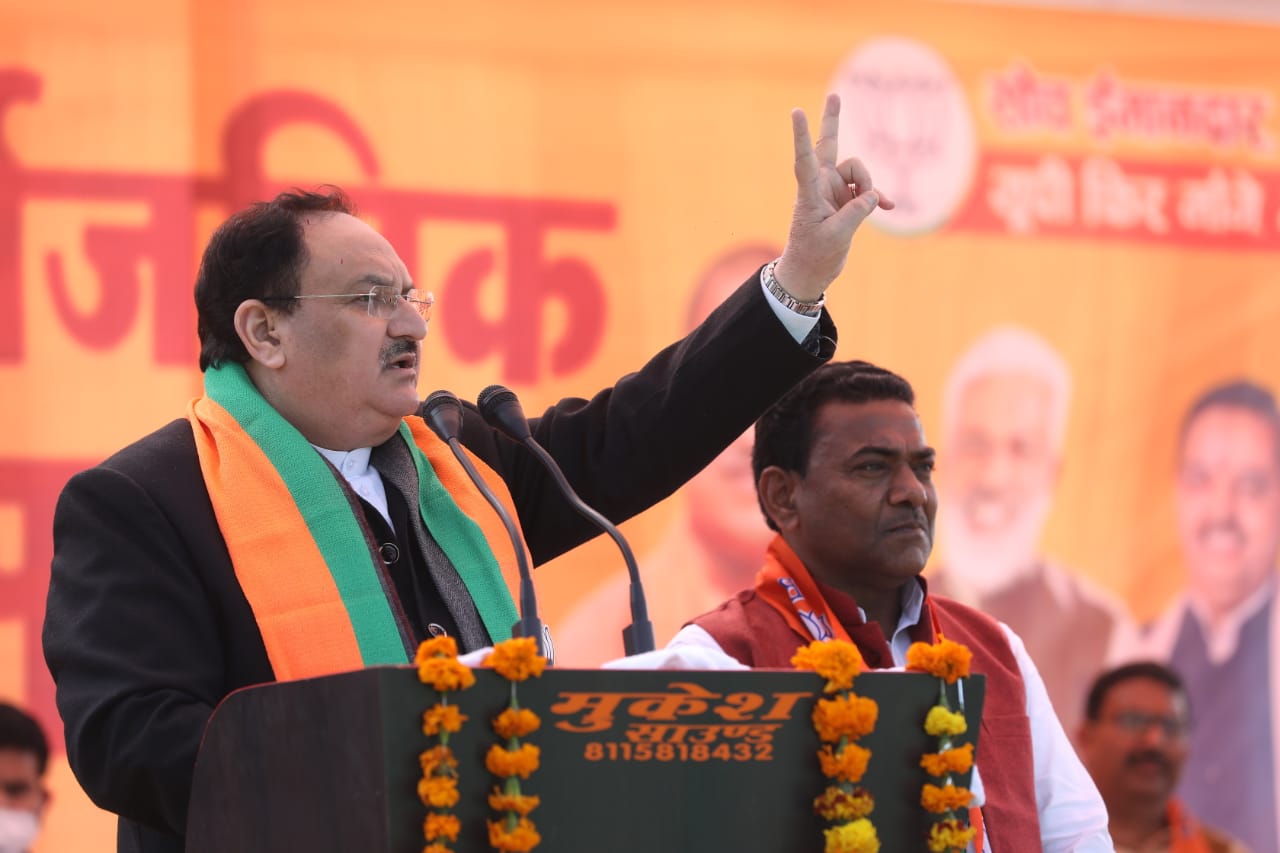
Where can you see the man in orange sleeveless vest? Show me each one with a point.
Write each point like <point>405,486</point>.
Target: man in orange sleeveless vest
<point>301,521</point>
<point>844,477</point>
<point>1134,741</point>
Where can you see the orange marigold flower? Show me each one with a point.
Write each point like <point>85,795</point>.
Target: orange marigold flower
<point>436,848</point>
<point>516,722</point>
<point>847,765</point>
<point>856,837</point>
<point>436,647</point>
<point>440,718</point>
<point>949,835</point>
<point>945,659</point>
<point>517,659</point>
<point>943,722</point>
<point>845,716</point>
<point>512,762</point>
<point>957,760</point>
<point>438,792</point>
<point>441,826</point>
<point>838,661</point>
<point>438,761</point>
<point>523,838</point>
<point>945,799</point>
<point>835,804</point>
<point>521,804</point>
<point>445,674</point>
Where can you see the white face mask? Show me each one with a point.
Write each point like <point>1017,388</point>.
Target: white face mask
<point>18,830</point>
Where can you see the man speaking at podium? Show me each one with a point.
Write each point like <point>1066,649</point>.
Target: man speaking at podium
<point>845,478</point>
<point>298,522</point>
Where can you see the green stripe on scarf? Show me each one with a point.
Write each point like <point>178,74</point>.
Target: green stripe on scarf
<point>323,505</point>
<point>333,525</point>
<point>464,543</point>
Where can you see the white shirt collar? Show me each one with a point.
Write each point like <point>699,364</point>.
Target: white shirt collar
<point>1221,641</point>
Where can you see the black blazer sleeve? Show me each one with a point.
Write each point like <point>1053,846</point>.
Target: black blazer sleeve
<point>632,445</point>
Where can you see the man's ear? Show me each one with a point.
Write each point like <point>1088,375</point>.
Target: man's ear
<point>777,490</point>
<point>255,325</point>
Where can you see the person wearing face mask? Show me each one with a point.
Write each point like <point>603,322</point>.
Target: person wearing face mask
<point>1134,742</point>
<point>24,755</point>
<point>1223,633</point>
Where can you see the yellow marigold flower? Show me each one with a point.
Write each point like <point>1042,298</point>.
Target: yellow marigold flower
<point>856,837</point>
<point>440,718</point>
<point>512,762</point>
<point>944,799</point>
<point>521,804</point>
<point>848,765</point>
<point>438,760</point>
<point>949,835</point>
<point>436,647</point>
<point>517,659</point>
<point>438,792</point>
<point>838,661</point>
<point>445,674</point>
<point>835,804</point>
<point>516,722</point>
<point>845,716</point>
<point>441,826</point>
<point>943,722</point>
<point>523,838</point>
<point>957,760</point>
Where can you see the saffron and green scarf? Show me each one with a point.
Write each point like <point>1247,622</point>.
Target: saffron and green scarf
<point>318,590</point>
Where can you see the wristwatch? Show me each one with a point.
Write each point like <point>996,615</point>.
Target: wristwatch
<point>770,282</point>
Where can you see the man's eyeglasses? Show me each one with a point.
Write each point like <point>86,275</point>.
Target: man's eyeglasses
<point>382,300</point>
<point>1137,723</point>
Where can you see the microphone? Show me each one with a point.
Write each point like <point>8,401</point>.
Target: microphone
<point>443,414</point>
<point>502,411</point>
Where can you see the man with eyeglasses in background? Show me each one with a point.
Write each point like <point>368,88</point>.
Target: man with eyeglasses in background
<point>299,522</point>
<point>1134,742</point>
<point>24,756</point>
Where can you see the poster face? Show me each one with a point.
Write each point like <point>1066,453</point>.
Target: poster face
<point>1085,245</point>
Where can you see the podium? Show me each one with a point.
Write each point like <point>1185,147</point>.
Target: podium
<point>632,761</point>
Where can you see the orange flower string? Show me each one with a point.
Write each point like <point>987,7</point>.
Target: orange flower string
<point>836,804</point>
<point>439,667</point>
<point>516,722</point>
<point>844,716</point>
<point>516,660</point>
<point>835,660</point>
<point>944,659</point>
<point>839,721</point>
<point>520,838</point>
<point>950,761</point>
<point>947,661</point>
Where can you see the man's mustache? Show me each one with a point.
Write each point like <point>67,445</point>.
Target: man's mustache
<point>1223,525</point>
<point>396,348</point>
<point>1149,756</point>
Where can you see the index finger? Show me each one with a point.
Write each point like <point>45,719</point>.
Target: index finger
<point>806,160</point>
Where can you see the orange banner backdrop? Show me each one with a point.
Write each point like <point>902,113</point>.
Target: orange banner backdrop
<point>562,174</point>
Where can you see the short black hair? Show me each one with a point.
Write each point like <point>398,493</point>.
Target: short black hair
<point>20,732</point>
<point>258,253</point>
<point>1145,669</point>
<point>1236,394</point>
<point>784,434</point>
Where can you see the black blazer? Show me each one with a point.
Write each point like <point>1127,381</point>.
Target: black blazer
<point>147,629</point>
